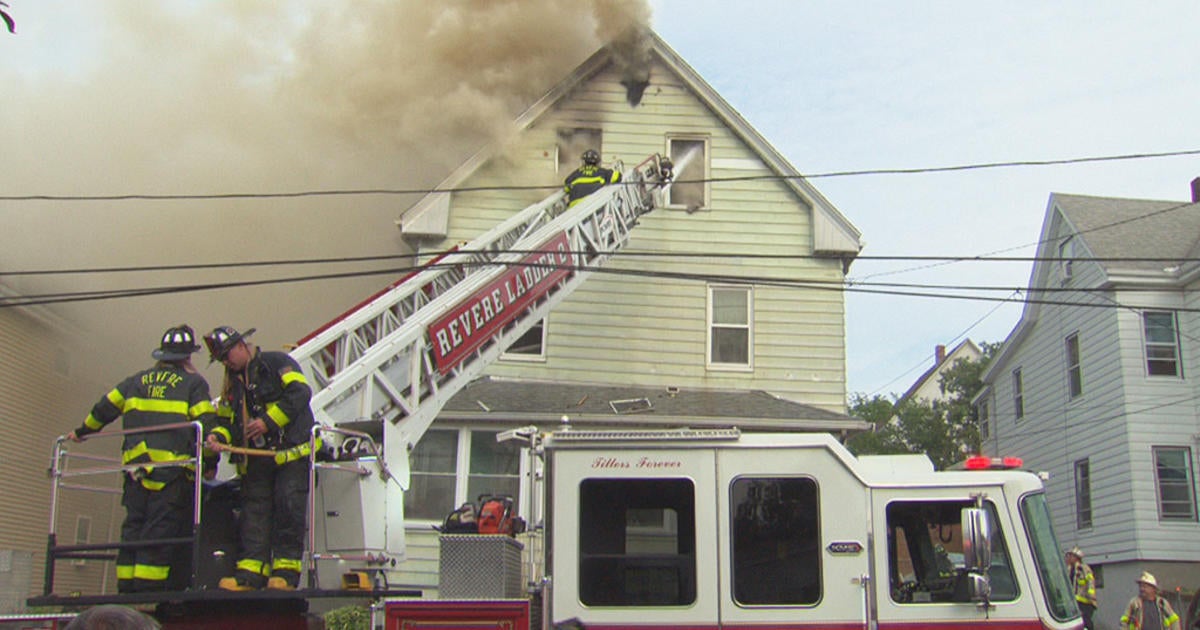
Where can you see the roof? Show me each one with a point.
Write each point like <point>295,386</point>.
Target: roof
<point>1112,228</point>
<point>947,361</point>
<point>1132,228</point>
<point>833,232</point>
<point>523,402</point>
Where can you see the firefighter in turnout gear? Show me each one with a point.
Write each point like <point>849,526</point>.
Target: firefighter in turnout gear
<point>158,497</point>
<point>264,405</point>
<point>588,178</point>
<point>1083,581</point>
<point>1149,611</point>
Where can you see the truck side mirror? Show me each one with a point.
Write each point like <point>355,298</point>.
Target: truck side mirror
<point>977,539</point>
<point>977,553</point>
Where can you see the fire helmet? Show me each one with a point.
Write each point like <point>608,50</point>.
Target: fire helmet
<point>178,343</point>
<point>222,339</point>
<point>591,157</point>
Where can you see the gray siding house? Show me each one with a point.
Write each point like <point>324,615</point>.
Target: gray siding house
<point>716,314</point>
<point>1098,385</point>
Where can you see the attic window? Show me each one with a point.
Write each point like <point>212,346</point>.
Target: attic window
<point>632,405</point>
<point>1066,254</point>
<point>572,142</point>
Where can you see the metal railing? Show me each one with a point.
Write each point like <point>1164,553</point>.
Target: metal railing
<point>60,471</point>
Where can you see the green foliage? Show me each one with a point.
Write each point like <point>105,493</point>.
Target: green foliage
<point>945,430</point>
<point>348,618</point>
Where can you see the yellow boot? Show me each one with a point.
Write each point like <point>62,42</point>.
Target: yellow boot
<point>275,583</point>
<point>234,584</point>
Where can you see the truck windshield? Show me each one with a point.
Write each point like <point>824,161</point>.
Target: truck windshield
<point>1057,590</point>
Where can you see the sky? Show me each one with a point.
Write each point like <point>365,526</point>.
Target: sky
<point>210,96</point>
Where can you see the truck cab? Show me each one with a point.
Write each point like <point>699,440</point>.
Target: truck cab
<point>712,528</point>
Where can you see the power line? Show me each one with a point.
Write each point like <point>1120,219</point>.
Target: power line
<point>732,279</point>
<point>464,189</point>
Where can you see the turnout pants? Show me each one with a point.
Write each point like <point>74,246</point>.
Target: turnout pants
<point>154,515</point>
<point>274,515</point>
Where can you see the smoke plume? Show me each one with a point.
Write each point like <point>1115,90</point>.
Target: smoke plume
<point>252,97</point>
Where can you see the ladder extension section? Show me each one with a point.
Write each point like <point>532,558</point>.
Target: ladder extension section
<point>400,356</point>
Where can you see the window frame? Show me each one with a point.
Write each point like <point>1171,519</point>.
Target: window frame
<point>540,355</point>
<point>1189,482</point>
<point>1066,255</point>
<point>1074,370</point>
<point>1175,345</point>
<point>1084,513</point>
<point>984,414</point>
<point>710,327</point>
<point>1018,385</point>
<point>464,435</point>
<point>706,175</point>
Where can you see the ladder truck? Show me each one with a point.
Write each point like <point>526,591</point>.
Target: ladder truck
<point>641,529</point>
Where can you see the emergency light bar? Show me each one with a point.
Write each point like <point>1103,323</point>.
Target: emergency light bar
<point>983,462</point>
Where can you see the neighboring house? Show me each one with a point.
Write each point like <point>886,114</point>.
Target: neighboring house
<point>630,350</point>
<point>43,391</point>
<point>1097,385</point>
<point>928,387</point>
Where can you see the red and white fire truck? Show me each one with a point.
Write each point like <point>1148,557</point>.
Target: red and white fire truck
<point>682,529</point>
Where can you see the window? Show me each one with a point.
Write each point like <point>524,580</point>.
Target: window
<point>1173,474</point>
<point>1074,373</point>
<point>1083,494</point>
<point>451,466</point>
<point>776,541</point>
<point>1066,254</point>
<point>1047,555</point>
<point>925,553</point>
<point>531,346</point>
<point>985,419</point>
<point>690,156</point>
<point>729,317</point>
<point>572,142</point>
<point>625,562</point>
<point>83,535</point>
<point>1018,394</point>
<point>1162,343</point>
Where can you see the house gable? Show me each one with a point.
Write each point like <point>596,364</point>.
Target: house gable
<point>644,318</point>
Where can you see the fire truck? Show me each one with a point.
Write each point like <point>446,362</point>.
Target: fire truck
<point>682,528</point>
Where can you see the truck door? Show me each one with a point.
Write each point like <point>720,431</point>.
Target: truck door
<point>793,539</point>
<point>920,577</point>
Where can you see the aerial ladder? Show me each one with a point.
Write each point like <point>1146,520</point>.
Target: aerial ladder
<point>381,373</point>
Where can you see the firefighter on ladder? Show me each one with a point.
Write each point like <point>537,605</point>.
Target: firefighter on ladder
<point>158,499</point>
<point>588,178</point>
<point>264,404</point>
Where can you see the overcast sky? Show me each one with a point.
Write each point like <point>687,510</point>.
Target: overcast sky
<point>854,85</point>
<point>207,96</point>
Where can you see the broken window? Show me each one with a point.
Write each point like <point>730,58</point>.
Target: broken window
<point>690,156</point>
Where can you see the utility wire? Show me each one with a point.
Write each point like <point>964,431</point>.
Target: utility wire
<point>463,189</point>
<point>732,279</point>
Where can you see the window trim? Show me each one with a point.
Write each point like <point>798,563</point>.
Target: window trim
<point>709,325</point>
<point>1066,255</point>
<point>983,412</point>
<point>1074,370</point>
<point>1191,483</point>
<point>1018,385</point>
<point>1083,494</point>
<point>540,357</point>
<point>462,475</point>
<point>707,175</point>
<point>1175,345</point>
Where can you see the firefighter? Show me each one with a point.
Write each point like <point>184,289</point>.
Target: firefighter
<point>264,405</point>
<point>1084,583</point>
<point>1148,611</point>
<point>158,499</point>
<point>588,178</point>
